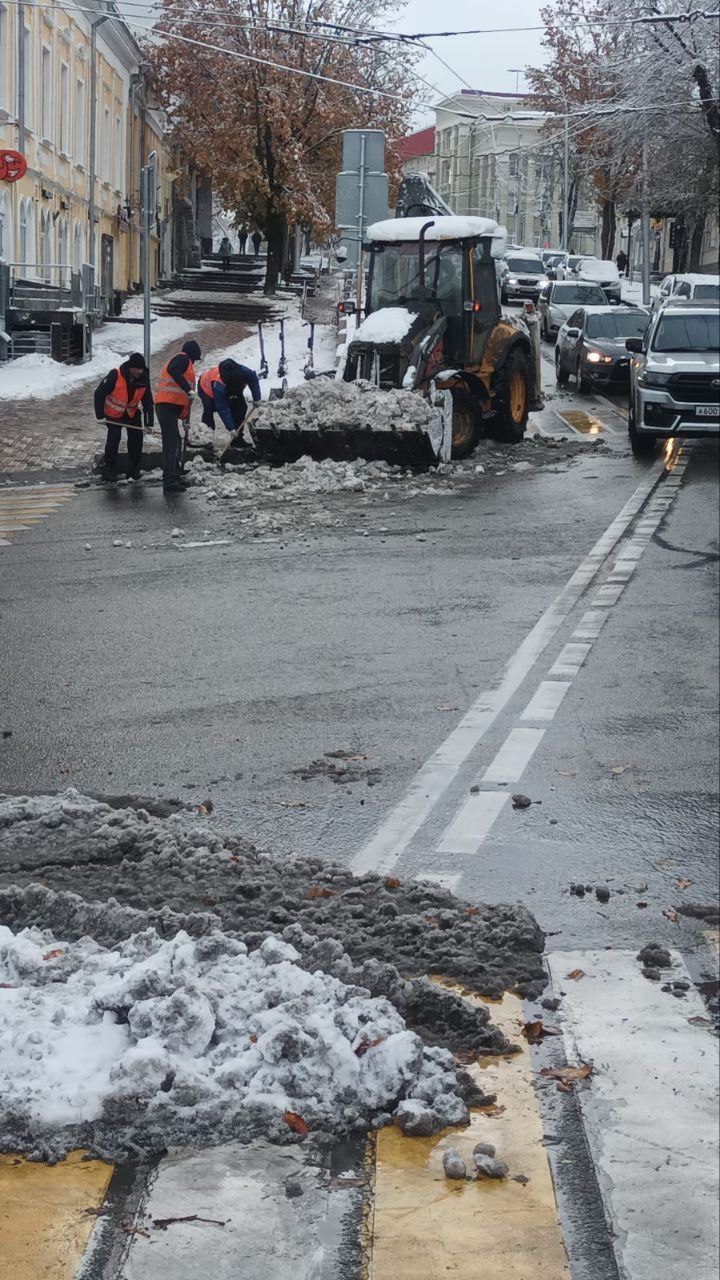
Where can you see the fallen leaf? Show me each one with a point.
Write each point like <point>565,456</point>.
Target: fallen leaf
<point>566,1075</point>
<point>320,891</point>
<point>563,1087</point>
<point>493,1110</point>
<point>620,768</point>
<point>202,809</point>
<point>464,1057</point>
<point>368,1044</point>
<point>671,915</point>
<point>472,911</point>
<point>6,986</point>
<point>392,883</point>
<point>54,954</point>
<point>641,905</point>
<point>447,708</point>
<point>575,974</point>
<point>521,1178</point>
<point>296,1123</point>
<point>683,884</point>
<point>253,1038</point>
<point>292,804</point>
<point>697,1020</point>
<point>535,1032</point>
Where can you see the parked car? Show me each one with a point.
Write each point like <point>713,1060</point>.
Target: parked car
<point>521,277</point>
<point>675,376</point>
<point>552,258</point>
<point>601,272</point>
<point>591,345</point>
<point>697,287</point>
<point>559,298</point>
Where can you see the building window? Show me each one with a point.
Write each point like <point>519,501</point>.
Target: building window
<point>106,145</point>
<point>27,233</point>
<point>64,109</point>
<point>4,56</point>
<point>46,90</point>
<point>79,147</point>
<point>46,238</point>
<point>118,157</point>
<point>6,244</point>
<point>513,164</point>
<point>27,57</point>
<point>78,247</point>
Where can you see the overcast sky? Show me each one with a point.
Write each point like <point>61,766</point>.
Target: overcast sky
<point>482,61</point>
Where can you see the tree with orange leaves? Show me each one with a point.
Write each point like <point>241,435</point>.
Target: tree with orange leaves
<point>259,91</point>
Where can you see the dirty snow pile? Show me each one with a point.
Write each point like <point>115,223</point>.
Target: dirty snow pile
<point>319,405</point>
<point>169,1041</point>
<point>295,480</point>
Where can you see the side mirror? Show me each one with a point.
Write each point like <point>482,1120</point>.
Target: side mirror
<point>572,333</point>
<point>634,344</point>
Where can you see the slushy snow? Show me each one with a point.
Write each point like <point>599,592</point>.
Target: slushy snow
<point>390,324</point>
<point>192,1039</point>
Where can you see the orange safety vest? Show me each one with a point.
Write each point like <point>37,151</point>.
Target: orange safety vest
<point>120,402</point>
<point>168,391</point>
<point>208,377</point>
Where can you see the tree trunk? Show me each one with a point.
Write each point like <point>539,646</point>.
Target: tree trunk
<point>696,244</point>
<point>609,222</point>
<point>275,233</point>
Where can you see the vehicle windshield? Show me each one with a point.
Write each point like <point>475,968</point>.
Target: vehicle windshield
<point>526,264</point>
<point>707,292</point>
<point>572,263</point>
<point>621,324</point>
<point>688,333</point>
<point>395,277</point>
<point>575,295</point>
<point>552,259</point>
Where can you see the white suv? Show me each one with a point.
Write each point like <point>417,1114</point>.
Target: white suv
<point>697,287</point>
<point>675,376</point>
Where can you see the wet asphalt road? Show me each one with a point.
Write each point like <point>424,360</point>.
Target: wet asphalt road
<point>228,672</point>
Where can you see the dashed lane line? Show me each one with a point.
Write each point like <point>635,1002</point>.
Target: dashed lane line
<point>477,815</point>
<point>387,845</point>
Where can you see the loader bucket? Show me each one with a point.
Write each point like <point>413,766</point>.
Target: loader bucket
<point>348,420</point>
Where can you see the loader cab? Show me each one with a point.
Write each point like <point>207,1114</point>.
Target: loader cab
<point>437,276</point>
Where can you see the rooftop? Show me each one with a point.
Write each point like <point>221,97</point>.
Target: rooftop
<point>420,143</point>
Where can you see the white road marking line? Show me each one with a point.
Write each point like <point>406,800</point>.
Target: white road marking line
<point>444,879</point>
<point>649,1111</point>
<point>608,594</point>
<point>382,851</point>
<point>590,625</point>
<point>514,755</point>
<point>546,700</point>
<point>470,826</point>
<point>5,542</point>
<point>570,660</point>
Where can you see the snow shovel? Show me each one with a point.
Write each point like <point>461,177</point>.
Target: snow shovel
<point>282,366</point>
<point>264,370</point>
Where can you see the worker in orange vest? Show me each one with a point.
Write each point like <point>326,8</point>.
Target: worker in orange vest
<point>222,391</point>
<point>173,397</point>
<point>124,399</point>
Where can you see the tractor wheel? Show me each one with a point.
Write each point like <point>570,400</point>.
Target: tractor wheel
<point>465,423</point>
<point>512,398</point>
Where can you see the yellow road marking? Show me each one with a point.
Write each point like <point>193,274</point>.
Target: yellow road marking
<point>44,1220</point>
<point>586,423</point>
<point>428,1228</point>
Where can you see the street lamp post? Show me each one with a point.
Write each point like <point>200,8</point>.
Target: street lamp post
<point>92,167</point>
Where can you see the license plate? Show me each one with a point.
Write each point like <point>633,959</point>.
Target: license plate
<point>707,411</point>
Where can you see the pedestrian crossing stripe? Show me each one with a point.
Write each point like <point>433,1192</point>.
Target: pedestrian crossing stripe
<point>22,506</point>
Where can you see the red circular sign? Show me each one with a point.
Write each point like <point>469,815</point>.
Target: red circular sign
<point>13,166</point>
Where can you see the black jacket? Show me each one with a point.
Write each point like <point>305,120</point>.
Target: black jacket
<point>107,385</point>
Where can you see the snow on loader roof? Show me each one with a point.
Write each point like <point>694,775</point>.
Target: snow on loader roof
<point>401,230</point>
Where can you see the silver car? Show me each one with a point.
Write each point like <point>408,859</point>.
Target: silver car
<point>558,299</point>
<point>521,277</point>
<point>675,376</point>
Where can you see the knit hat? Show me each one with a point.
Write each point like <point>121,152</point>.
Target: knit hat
<point>192,350</point>
<point>137,360</point>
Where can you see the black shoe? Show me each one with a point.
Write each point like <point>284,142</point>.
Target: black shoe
<point>175,486</point>
<point>134,475</point>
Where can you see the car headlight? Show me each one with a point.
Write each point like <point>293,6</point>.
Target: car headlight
<point>594,357</point>
<point>650,379</point>
<point>511,280</point>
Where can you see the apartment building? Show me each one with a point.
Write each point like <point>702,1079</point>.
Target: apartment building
<point>495,157</point>
<point>79,200</point>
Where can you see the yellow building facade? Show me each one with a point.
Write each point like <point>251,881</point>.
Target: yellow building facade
<point>54,64</point>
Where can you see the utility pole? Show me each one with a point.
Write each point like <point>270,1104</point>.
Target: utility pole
<point>361,230</point>
<point>566,180</point>
<point>92,166</point>
<point>645,229</point>
<point>148,208</point>
<point>21,76</point>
